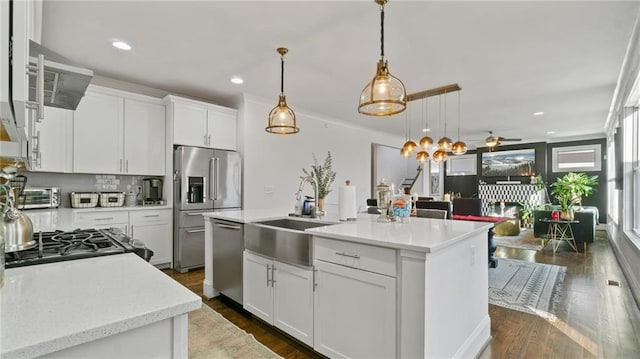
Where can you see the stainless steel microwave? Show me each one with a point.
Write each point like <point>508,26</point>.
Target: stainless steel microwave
<point>39,197</point>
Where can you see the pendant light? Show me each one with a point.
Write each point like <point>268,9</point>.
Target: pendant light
<point>459,148</point>
<point>440,155</point>
<point>385,94</point>
<point>409,146</point>
<point>426,141</point>
<point>282,119</point>
<point>445,142</point>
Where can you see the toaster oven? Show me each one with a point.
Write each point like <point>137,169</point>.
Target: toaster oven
<point>39,197</point>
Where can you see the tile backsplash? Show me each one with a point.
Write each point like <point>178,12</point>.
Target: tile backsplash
<point>72,182</point>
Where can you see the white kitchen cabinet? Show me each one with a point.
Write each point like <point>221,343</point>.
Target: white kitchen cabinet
<point>98,134</point>
<point>153,227</point>
<point>354,309</point>
<point>144,138</point>
<point>102,219</point>
<point>280,294</point>
<point>116,132</point>
<point>55,141</point>
<point>201,124</point>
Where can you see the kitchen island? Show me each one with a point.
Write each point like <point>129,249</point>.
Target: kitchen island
<point>406,290</point>
<point>115,306</point>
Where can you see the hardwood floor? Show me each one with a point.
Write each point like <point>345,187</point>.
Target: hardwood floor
<point>594,319</point>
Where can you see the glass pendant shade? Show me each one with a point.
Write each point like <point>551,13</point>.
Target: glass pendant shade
<point>440,156</point>
<point>445,144</point>
<point>405,151</point>
<point>282,119</point>
<point>410,146</point>
<point>385,95</point>
<point>426,142</point>
<point>422,156</point>
<point>459,148</point>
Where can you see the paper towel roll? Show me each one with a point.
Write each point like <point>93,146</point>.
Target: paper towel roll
<point>347,204</point>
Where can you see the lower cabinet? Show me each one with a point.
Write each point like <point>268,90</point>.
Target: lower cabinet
<point>153,227</point>
<point>280,294</point>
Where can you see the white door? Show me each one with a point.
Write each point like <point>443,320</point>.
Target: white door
<point>144,147</point>
<point>190,125</point>
<point>256,286</point>
<point>354,313</point>
<point>157,236</point>
<point>55,141</point>
<point>222,128</point>
<point>293,301</point>
<point>97,134</point>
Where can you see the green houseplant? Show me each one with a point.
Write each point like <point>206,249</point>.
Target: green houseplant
<point>569,190</point>
<point>324,175</point>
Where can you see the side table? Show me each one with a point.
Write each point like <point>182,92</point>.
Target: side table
<point>559,230</point>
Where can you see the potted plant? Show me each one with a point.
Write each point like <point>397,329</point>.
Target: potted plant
<point>526,212</point>
<point>324,176</point>
<point>569,190</point>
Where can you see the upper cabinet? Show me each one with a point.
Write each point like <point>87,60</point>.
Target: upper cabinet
<point>120,133</point>
<point>54,142</point>
<point>201,124</point>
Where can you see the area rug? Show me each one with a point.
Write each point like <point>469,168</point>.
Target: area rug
<point>524,240</point>
<point>213,336</point>
<point>527,287</point>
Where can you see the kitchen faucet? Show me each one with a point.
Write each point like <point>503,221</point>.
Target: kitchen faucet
<point>315,192</point>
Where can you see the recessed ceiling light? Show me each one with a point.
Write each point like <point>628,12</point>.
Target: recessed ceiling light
<point>426,129</point>
<point>237,80</point>
<point>121,45</point>
<point>538,113</point>
<point>550,132</point>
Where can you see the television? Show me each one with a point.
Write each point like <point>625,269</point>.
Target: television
<point>509,163</point>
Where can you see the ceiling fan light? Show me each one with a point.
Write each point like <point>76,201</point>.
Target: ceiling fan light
<point>426,142</point>
<point>459,148</point>
<point>491,141</point>
<point>385,95</point>
<point>282,119</point>
<point>422,156</point>
<point>445,144</point>
<point>440,156</point>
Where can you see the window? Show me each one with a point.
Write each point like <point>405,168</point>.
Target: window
<point>576,158</point>
<point>633,126</point>
<point>612,203</point>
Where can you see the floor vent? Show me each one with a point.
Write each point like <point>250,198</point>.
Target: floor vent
<point>615,283</point>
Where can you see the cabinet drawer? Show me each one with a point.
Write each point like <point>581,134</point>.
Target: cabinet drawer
<point>150,216</point>
<point>100,217</point>
<point>355,255</point>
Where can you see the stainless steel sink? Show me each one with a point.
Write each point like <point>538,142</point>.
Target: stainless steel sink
<point>282,239</point>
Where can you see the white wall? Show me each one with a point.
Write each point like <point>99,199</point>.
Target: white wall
<point>273,163</point>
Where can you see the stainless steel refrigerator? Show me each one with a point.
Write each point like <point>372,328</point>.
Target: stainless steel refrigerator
<point>204,180</point>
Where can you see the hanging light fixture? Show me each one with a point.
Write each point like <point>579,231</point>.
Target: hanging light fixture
<point>282,119</point>
<point>445,142</point>
<point>426,141</point>
<point>459,148</point>
<point>385,94</point>
<point>439,155</point>
<point>409,146</point>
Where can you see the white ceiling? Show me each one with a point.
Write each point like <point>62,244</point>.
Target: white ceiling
<point>511,58</point>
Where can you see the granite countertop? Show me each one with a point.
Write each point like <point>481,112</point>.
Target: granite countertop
<point>419,234</point>
<point>50,307</point>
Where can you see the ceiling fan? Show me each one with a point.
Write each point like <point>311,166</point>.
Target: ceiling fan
<point>494,141</point>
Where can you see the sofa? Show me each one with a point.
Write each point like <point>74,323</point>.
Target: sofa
<point>583,232</point>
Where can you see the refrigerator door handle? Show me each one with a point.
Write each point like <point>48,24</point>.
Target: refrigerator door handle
<point>204,185</point>
<point>215,190</point>
<point>212,176</point>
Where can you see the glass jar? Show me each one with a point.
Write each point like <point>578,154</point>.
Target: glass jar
<point>402,207</point>
<point>384,198</point>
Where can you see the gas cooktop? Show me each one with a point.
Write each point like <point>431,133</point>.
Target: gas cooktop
<point>61,246</point>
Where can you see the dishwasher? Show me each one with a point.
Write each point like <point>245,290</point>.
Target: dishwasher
<point>227,247</point>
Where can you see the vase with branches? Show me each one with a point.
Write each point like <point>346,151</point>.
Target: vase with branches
<point>324,175</point>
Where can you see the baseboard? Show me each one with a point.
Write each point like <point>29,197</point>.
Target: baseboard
<point>601,227</point>
<point>477,341</point>
<point>208,291</point>
<point>627,271</point>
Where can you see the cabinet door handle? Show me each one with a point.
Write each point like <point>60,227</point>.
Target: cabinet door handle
<point>120,165</point>
<point>205,140</point>
<point>126,166</point>
<point>194,214</point>
<point>209,140</point>
<point>195,231</point>
<point>152,215</point>
<point>132,231</point>
<point>268,265</point>
<point>348,255</point>
<point>273,269</point>
<point>315,284</point>
<point>104,219</point>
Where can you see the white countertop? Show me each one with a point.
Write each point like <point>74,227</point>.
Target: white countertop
<point>49,307</point>
<point>420,234</point>
<point>64,219</point>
